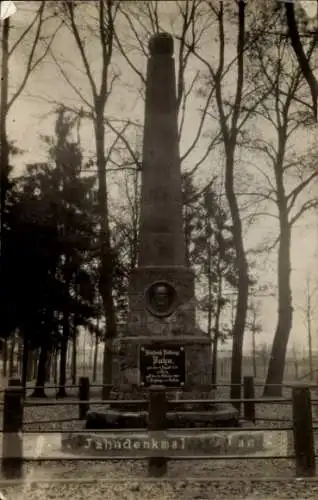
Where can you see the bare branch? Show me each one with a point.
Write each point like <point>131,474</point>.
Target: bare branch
<point>141,43</point>
<point>198,195</point>
<point>115,143</point>
<point>292,196</point>
<point>300,54</point>
<point>106,41</point>
<point>240,73</point>
<point>152,10</point>
<point>267,248</point>
<point>184,102</point>
<point>28,29</point>
<point>126,142</point>
<point>70,83</point>
<point>183,56</point>
<point>214,142</point>
<point>200,127</point>
<point>124,52</point>
<point>309,205</point>
<point>80,46</point>
<point>262,214</point>
<point>33,62</point>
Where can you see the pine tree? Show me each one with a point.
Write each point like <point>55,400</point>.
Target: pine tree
<point>62,197</point>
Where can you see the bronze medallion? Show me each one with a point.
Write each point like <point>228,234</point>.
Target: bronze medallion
<point>161,298</point>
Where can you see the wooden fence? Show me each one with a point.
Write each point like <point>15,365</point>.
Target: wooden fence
<point>301,427</point>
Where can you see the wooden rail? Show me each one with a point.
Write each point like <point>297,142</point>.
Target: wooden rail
<point>301,426</point>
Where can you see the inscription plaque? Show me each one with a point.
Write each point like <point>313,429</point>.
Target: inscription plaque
<point>162,365</point>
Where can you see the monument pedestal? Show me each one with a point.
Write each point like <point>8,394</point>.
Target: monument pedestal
<point>178,328</point>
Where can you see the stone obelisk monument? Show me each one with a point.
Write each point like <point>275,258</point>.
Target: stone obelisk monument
<point>161,293</point>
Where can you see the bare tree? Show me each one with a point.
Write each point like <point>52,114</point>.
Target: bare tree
<point>300,52</point>
<point>308,309</point>
<point>296,361</point>
<point>262,354</point>
<point>32,36</point>
<point>231,122</point>
<point>255,327</point>
<point>126,218</point>
<point>11,42</point>
<point>283,113</point>
<point>297,29</point>
<point>94,107</point>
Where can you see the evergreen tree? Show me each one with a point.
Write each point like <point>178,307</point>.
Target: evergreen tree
<point>53,247</point>
<point>211,253</point>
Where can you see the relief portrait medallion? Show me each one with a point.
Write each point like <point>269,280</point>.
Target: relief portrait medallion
<point>161,299</point>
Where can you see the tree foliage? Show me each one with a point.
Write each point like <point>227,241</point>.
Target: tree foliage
<point>49,237</point>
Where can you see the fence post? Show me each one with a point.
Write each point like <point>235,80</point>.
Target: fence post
<point>157,466</point>
<point>249,393</point>
<point>83,395</point>
<point>12,444</point>
<point>303,432</point>
<point>16,382</point>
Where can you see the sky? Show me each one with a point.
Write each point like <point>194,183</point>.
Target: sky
<point>32,117</point>
<point>310,6</point>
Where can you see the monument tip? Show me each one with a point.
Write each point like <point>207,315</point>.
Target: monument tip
<point>161,44</point>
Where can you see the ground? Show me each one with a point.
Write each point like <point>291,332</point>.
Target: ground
<point>240,479</point>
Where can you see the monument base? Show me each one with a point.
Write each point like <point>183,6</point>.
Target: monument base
<point>216,416</point>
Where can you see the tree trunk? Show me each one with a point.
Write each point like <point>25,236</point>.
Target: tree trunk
<point>30,366</point>
<point>61,393</point>
<point>106,272</point>
<point>265,363</point>
<point>69,360</point>
<point>296,367</point>
<point>4,145</point>
<point>210,299</point>
<point>276,366</point>
<point>300,54</point>
<point>5,358</point>
<point>214,361</point>
<point>238,333</point>
<point>91,357</point>
<point>24,364</point>
<point>254,345</point>
<point>308,313</point>
<point>243,283</point>
<point>49,367</point>
<point>229,129</point>
<point>39,391</point>
<point>216,331</point>
<point>20,356</point>
<point>55,366</point>
<point>254,355</point>
<point>84,357</point>
<point>74,358</point>
<point>35,365</point>
<point>95,358</point>
<point>12,356</point>
<point>218,309</point>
